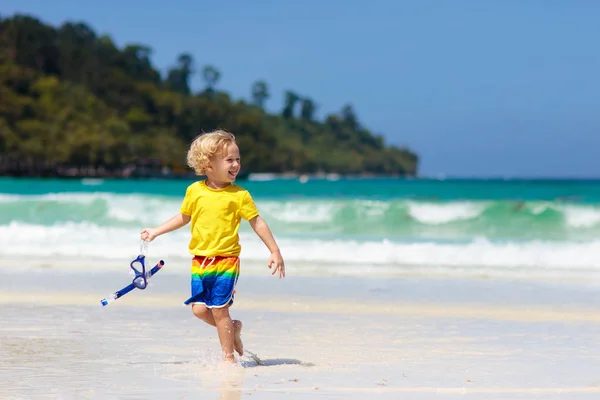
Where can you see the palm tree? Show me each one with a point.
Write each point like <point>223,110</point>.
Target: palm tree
<point>308,109</point>
<point>260,92</point>
<point>211,76</point>
<point>291,99</point>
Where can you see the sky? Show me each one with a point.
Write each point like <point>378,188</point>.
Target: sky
<point>505,88</point>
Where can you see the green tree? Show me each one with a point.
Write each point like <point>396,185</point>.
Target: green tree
<point>308,109</point>
<point>71,101</point>
<point>291,99</point>
<point>260,93</point>
<point>211,76</point>
<point>349,116</point>
<point>178,78</point>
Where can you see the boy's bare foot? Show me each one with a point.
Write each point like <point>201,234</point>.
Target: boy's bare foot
<point>237,339</point>
<point>228,361</point>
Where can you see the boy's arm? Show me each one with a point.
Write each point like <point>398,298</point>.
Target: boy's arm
<point>261,228</point>
<point>174,223</point>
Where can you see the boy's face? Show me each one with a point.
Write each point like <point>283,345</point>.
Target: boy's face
<point>225,167</point>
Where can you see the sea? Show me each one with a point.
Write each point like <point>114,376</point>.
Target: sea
<point>477,228</point>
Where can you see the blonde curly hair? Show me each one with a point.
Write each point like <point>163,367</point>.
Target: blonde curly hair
<point>206,146</point>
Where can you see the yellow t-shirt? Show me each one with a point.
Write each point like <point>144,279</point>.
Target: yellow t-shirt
<point>215,218</point>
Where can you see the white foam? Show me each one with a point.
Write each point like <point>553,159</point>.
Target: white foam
<point>479,252</point>
<point>88,240</point>
<point>147,210</point>
<point>581,216</point>
<point>436,214</point>
<point>298,211</point>
<point>322,211</point>
<point>83,240</point>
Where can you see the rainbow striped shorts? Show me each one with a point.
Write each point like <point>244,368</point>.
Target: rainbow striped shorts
<point>214,280</point>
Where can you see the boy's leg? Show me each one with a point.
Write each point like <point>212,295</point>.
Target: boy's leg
<point>229,332</point>
<point>237,339</point>
<point>206,315</point>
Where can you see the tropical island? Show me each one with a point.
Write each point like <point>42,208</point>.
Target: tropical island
<point>72,104</point>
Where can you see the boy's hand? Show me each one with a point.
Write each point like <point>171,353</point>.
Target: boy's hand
<point>148,234</point>
<point>276,264</point>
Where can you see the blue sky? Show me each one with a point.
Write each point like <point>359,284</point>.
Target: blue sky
<point>507,88</point>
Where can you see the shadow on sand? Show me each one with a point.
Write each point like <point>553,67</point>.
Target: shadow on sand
<point>274,362</point>
<point>244,363</point>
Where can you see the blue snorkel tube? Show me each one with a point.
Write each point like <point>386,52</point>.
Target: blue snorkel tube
<point>141,276</point>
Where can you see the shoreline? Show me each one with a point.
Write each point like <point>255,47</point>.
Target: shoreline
<point>179,266</point>
<point>152,169</point>
<point>251,176</point>
<point>183,173</point>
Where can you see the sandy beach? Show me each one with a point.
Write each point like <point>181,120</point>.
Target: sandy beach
<point>332,337</point>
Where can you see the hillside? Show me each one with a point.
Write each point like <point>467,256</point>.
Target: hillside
<point>72,103</point>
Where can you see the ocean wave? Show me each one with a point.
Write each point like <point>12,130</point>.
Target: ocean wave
<point>337,256</point>
<point>331,218</point>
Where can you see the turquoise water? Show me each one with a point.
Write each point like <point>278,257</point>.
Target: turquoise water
<point>545,190</point>
<point>342,226</point>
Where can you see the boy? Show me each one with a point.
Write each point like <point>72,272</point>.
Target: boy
<point>215,207</point>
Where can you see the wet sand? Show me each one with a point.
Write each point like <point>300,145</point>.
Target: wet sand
<point>333,337</point>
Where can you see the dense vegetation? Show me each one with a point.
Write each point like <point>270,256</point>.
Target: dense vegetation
<point>71,98</point>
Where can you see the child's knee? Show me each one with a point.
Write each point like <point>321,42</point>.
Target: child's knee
<point>200,311</point>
